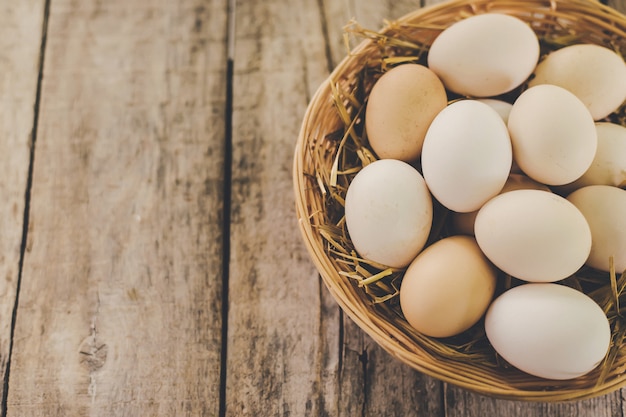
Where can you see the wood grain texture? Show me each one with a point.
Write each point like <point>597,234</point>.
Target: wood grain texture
<point>369,14</point>
<point>461,403</point>
<point>281,354</point>
<point>119,310</point>
<point>21,26</point>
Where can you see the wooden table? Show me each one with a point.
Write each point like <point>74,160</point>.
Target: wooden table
<point>151,263</point>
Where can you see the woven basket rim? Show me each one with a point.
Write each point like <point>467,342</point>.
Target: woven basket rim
<point>392,338</point>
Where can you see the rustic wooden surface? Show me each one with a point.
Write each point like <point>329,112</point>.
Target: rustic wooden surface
<point>151,262</point>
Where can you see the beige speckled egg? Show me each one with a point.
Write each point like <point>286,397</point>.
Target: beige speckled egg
<point>484,55</point>
<point>595,74</point>
<point>553,135</point>
<point>609,163</point>
<point>448,287</point>
<point>604,207</point>
<point>533,235</point>
<point>401,106</point>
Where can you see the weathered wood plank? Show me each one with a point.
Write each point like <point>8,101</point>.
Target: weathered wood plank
<point>21,26</point>
<point>369,14</point>
<point>280,352</point>
<point>119,308</point>
<point>461,403</point>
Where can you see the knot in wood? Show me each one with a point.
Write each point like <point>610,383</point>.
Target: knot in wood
<point>93,356</point>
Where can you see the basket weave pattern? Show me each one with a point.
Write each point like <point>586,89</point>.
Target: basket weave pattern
<point>320,139</point>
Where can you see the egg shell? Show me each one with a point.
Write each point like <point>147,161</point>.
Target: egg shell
<point>533,235</point>
<point>447,288</point>
<point>401,105</point>
<point>548,330</point>
<point>388,212</point>
<point>595,74</point>
<point>466,156</point>
<point>609,163</point>
<point>501,107</point>
<point>553,135</point>
<point>604,207</point>
<point>484,55</point>
<point>463,223</point>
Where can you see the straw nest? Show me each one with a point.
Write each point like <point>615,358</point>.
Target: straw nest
<point>331,149</point>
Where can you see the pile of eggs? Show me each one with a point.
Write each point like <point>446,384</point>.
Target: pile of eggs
<point>534,188</point>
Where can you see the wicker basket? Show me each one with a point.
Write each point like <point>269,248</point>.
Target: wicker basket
<point>322,135</point>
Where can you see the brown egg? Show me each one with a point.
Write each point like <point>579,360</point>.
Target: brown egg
<point>401,106</point>
<point>448,287</point>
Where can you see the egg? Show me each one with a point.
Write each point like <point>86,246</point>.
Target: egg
<point>553,135</point>
<point>484,55</point>
<point>466,157</point>
<point>609,163</point>
<point>604,207</point>
<point>401,106</point>
<point>595,74</point>
<point>463,223</point>
<point>388,212</point>
<point>501,107</point>
<point>533,235</point>
<point>447,288</point>
<point>548,330</point>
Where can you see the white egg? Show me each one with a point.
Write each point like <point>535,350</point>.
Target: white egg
<point>533,235</point>
<point>594,73</point>
<point>604,207</point>
<point>553,135</point>
<point>484,55</point>
<point>466,156</point>
<point>388,212</point>
<point>609,163</point>
<point>548,330</point>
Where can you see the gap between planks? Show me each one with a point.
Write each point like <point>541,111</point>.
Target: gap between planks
<point>27,197</point>
<point>227,200</point>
